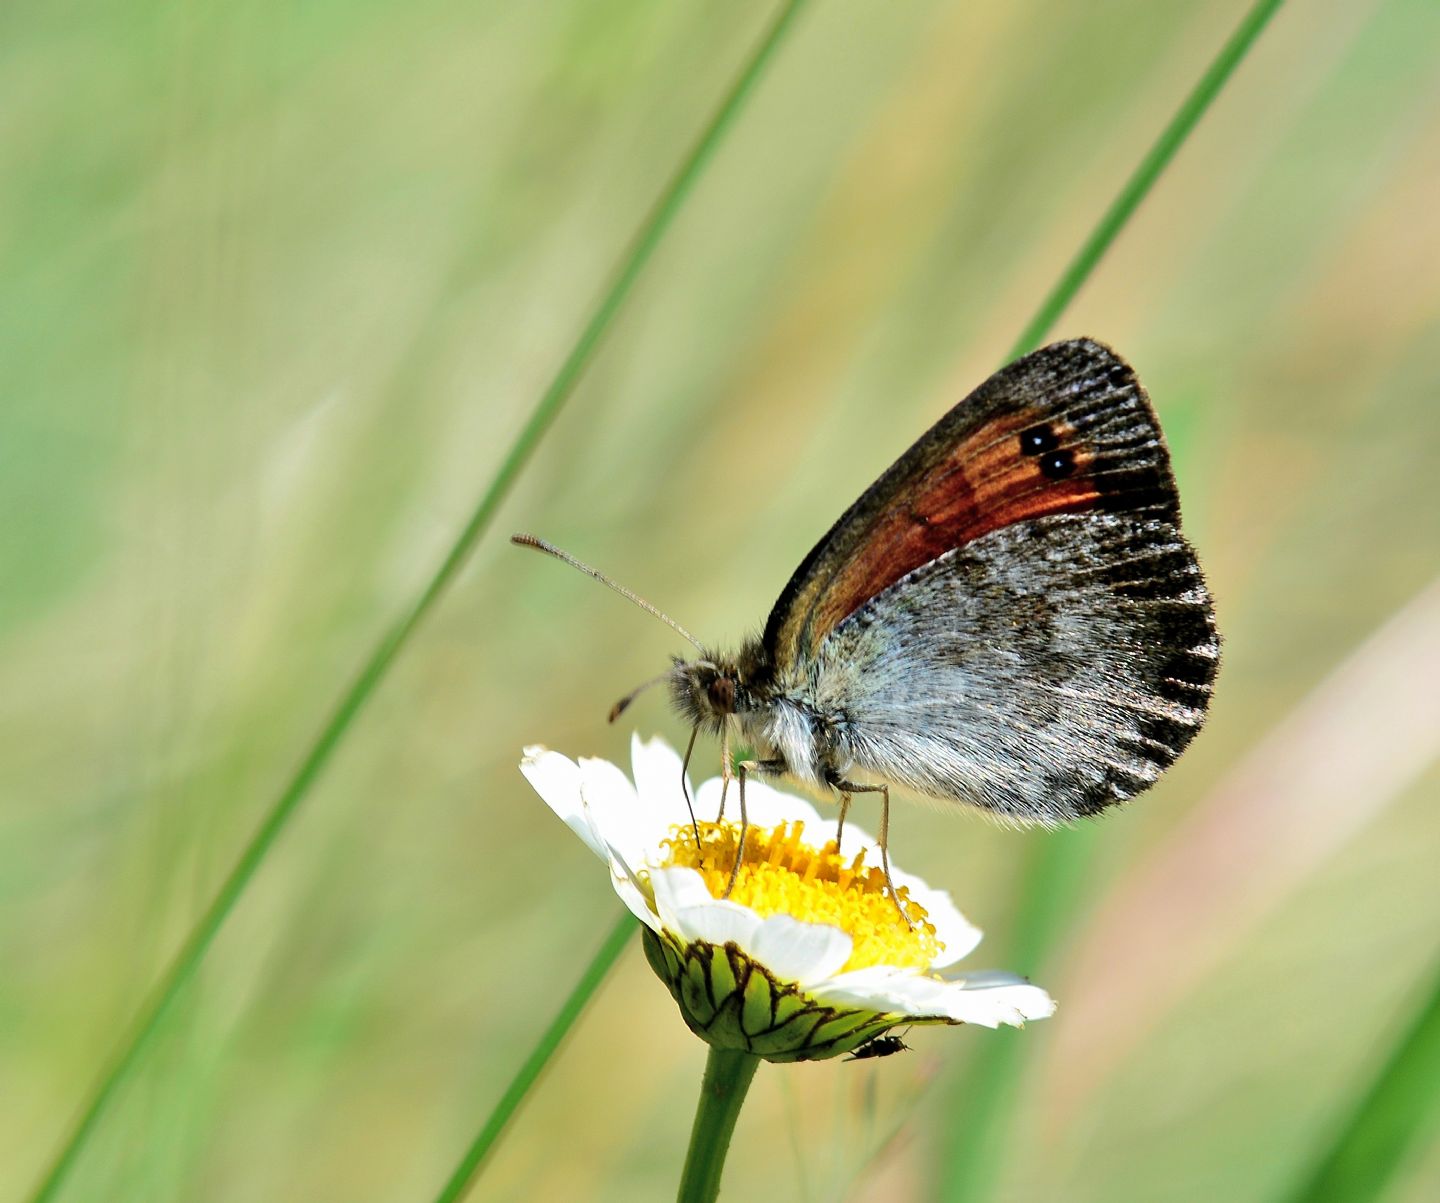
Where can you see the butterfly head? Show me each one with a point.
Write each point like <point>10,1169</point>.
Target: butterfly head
<point>706,691</point>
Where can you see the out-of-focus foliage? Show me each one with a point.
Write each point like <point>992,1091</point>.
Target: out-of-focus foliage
<point>278,285</point>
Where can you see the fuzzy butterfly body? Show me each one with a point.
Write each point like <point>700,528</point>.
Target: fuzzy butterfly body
<point>1009,617</point>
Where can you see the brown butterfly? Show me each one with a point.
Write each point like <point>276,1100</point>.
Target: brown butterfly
<point>1009,617</point>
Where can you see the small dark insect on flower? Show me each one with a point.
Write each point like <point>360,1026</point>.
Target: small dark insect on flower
<point>881,1046</point>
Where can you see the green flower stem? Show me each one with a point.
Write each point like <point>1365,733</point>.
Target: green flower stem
<point>1123,207</point>
<point>182,968</point>
<point>982,1107</point>
<point>1052,882</point>
<point>722,1092</point>
<point>540,1055</point>
<point>1393,1115</point>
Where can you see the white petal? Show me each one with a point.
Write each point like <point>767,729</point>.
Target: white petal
<point>857,837</point>
<point>611,801</point>
<point>876,988</point>
<point>769,807</point>
<point>633,892</point>
<point>676,889</point>
<point>707,800</point>
<point>686,907</point>
<point>800,952</point>
<point>637,903</point>
<point>606,785</point>
<point>717,922</point>
<point>991,1005</point>
<point>952,929</point>
<point>766,807</point>
<point>656,766</point>
<point>557,779</point>
<point>992,1000</point>
<point>881,989</point>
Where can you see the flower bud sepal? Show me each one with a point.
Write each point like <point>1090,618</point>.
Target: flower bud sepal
<point>732,1001</point>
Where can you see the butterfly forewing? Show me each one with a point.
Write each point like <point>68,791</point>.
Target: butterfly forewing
<point>1065,430</point>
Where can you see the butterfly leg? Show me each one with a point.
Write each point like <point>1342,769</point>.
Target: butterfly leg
<point>726,772</point>
<point>845,800</point>
<point>885,852</point>
<point>685,786</point>
<point>847,788</point>
<point>746,767</point>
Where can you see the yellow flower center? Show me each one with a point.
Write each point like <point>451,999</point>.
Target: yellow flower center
<point>781,875</point>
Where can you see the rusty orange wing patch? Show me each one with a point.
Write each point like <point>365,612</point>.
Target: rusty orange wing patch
<point>1065,430</point>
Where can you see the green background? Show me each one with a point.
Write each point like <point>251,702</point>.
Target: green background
<point>278,286</point>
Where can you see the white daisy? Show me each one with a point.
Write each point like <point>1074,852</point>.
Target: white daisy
<point>807,958</point>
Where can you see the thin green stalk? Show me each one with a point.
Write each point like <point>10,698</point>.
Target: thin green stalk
<point>530,1069</point>
<point>980,1112</point>
<point>1123,207</point>
<point>728,1074</point>
<point>1391,1118</point>
<point>182,968</point>
<point>1052,881</point>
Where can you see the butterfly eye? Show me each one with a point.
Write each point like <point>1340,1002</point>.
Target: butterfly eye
<point>721,692</point>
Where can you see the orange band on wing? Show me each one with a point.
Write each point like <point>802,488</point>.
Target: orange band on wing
<point>983,483</point>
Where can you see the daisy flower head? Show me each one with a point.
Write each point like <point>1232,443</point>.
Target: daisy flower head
<point>806,958</point>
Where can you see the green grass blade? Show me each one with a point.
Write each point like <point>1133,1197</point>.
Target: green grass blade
<point>1156,159</point>
<point>202,935</point>
<point>982,1108</point>
<point>595,973</point>
<point>1401,1104</point>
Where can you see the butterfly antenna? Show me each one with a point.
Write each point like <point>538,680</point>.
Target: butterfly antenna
<point>550,549</point>
<point>624,703</point>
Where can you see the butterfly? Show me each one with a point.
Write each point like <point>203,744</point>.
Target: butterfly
<point>1009,617</point>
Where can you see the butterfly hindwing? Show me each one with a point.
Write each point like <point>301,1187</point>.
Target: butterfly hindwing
<point>1042,672</point>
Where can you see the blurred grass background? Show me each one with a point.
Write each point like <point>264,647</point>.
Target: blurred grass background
<point>280,284</point>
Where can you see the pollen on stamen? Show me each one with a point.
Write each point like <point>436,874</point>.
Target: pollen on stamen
<point>782,875</point>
